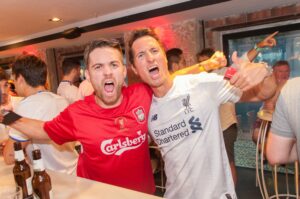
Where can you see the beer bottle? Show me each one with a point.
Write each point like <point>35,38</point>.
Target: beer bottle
<point>22,172</point>
<point>41,181</point>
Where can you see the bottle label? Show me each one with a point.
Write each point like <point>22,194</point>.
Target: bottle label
<point>29,186</point>
<point>19,155</point>
<point>51,194</point>
<point>38,165</point>
<point>25,184</point>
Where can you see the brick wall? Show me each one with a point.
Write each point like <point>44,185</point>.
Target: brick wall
<point>276,14</point>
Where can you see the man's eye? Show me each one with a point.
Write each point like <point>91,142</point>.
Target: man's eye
<point>115,65</point>
<point>98,67</point>
<point>154,50</point>
<point>140,56</point>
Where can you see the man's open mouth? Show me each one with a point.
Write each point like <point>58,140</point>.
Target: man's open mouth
<point>154,70</point>
<point>109,86</point>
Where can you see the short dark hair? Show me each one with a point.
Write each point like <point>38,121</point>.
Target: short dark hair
<point>3,75</point>
<point>68,65</point>
<point>173,56</point>
<point>280,63</point>
<point>101,43</point>
<point>205,52</point>
<point>136,34</point>
<point>32,68</point>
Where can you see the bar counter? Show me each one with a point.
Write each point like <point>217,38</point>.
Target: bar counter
<point>71,187</point>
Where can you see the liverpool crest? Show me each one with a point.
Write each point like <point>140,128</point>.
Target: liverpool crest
<point>139,114</point>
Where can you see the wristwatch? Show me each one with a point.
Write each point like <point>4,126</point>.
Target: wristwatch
<point>258,49</point>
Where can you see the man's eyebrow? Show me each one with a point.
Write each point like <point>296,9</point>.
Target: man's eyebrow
<point>96,64</point>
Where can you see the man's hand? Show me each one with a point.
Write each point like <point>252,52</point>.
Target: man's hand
<point>237,61</point>
<point>269,41</point>
<point>217,60</point>
<point>249,75</point>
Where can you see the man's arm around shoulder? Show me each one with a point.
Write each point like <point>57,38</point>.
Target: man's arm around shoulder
<point>261,92</point>
<point>31,128</point>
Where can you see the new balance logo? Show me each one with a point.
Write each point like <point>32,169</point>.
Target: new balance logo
<point>154,117</point>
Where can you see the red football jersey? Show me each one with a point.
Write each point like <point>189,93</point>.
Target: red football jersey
<point>114,141</point>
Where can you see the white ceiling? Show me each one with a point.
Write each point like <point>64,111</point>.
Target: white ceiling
<point>28,19</point>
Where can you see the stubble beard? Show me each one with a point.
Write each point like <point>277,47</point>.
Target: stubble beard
<point>110,101</point>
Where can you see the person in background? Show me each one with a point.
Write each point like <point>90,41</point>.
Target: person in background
<point>71,75</point>
<point>30,74</point>
<point>205,54</point>
<point>4,101</point>
<point>283,143</point>
<point>111,124</point>
<point>184,120</point>
<point>176,59</point>
<point>281,72</point>
<point>227,110</point>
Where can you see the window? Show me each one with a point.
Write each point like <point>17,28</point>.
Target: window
<point>287,48</point>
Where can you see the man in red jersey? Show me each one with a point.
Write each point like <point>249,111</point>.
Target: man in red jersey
<point>111,124</point>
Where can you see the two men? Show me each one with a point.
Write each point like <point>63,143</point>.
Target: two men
<point>112,124</point>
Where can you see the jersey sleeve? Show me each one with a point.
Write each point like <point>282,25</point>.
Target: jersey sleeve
<point>280,124</point>
<point>221,89</point>
<point>61,129</point>
<point>227,93</point>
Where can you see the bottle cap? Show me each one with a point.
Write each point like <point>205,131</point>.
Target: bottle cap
<point>36,154</point>
<point>17,146</point>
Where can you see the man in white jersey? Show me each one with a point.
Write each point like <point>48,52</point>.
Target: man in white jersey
<point>30,74</point>
<point>184,118</point>
<point>227,110</point>
<point>283,140</point>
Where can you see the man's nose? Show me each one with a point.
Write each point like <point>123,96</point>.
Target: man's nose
<point>107,70</point>
<point>149,56</point>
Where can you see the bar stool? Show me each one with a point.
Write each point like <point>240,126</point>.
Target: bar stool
<point>266,118</point>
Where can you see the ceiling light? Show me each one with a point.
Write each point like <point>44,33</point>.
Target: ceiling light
<point>55,19</point>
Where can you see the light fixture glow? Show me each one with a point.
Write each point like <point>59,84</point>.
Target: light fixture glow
<point>55,19</point>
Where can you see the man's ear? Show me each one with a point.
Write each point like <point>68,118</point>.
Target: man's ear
<point>134,69</point>
<point>87,75</point>
<point>20,79</point>
<point>125,71</point>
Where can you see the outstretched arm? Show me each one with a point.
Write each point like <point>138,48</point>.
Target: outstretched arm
<point>29,127</point>
<point>261,92</point>
<point>269,41</point>
<point>218,60</point>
